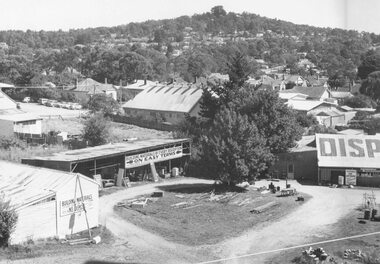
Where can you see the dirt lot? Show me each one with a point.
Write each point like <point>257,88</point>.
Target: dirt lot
<point>198,214</point>
<point>118,131</point>
<point>347,226</point>
<point>52,112</point>
<point>325,216</point>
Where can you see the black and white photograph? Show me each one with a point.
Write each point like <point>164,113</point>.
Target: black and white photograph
<point>189,132</point>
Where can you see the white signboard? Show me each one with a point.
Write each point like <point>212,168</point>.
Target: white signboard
<point>351,177</point>
<point>73,206</point>
<point>348,151</point>
<point>153,156</point>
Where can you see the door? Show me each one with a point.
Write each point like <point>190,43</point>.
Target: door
<point>290,174</point>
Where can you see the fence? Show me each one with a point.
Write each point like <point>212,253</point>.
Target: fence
<point>143,123</point>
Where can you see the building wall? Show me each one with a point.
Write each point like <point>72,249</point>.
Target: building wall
<point>35,222</point>
<point>73,223</point>
<point>158,116</point>
<point>6,128</point>
<point>33,127</point>
<point>304,164</point>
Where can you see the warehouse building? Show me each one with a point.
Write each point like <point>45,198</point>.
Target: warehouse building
<point>300,163</point>
<point>348,159</point>
<point>135,159</point>
<point>344,159</point>
<point>49,203</point>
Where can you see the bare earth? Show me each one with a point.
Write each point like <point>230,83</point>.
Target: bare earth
<point>51,112</point>
<point>304,225</point>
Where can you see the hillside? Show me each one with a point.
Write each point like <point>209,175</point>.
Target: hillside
<point>185,47</point>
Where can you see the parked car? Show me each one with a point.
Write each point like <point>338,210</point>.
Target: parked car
<point>43,101</point>
<point>26,100</point>
<point>76,106</point>
<point>50,103</point>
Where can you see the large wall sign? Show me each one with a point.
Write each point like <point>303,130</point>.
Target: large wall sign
<point>348,151</point>
<point>153,156</point>
<point>72,206</point>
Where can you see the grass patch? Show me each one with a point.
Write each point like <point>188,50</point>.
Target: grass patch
<point>15,154</point>
<point>52,247</point>
<point>209,216</point>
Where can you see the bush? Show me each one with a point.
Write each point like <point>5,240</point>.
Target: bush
<point>8,220</point>
<point>96,130</point>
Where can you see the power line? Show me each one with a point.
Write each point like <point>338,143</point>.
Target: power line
<point>288,248</point>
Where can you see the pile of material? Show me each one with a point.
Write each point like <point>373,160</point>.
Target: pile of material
<point>317,255</point>
<point>355,254</point>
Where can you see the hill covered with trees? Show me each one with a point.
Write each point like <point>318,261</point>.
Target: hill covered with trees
<point>185,47</point>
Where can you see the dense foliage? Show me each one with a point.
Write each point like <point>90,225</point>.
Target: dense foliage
<point>103,103</point>
<point>185,47</point>
<point>241,130</point>
<point>8,221</point>
<point>96,130</point>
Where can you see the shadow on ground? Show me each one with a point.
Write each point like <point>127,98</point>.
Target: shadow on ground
<point>201,188</point>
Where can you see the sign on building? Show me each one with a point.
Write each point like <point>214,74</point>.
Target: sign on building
<point>348,151</point>
<point>73,206</point>
<point>351,177</point>
<point>153,156</point>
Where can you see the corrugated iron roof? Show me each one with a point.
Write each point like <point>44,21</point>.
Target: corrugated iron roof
<point>140,85</point>
<point>348,151</point>
<point>24,185</point>
<point>6,102</point>
<point>171,98</point>
<point>91,86</point>
<point>20,117</point>
<point>305,105</point>
<point>315,92</point>
<point>108,150</point>
<point>339,94</point>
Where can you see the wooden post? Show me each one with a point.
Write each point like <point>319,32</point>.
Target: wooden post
<point>84,206</point>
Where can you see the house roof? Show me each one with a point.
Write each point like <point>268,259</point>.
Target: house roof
<point>20,117</point>
<point>312,92</point>
<point>305,105</point>
<point>340,95</point>
<point>6,102</point>
<point>5,85</point>
<point>170,98</point>
<point>352,132</point>
<point>306,143</point>
<point>140,85</point>
<point>108,150</point>
<point>24,185</point>
<point>294,96</point>
<point>91,86</point>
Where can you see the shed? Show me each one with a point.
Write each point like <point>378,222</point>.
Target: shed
<point>49,203</point>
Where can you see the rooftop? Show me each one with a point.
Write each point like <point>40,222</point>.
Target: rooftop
<point>312,92</point>
<point>20,117</point>
<point>172,98</point>
<point>109,150</point>
<point>23,184</point>
<point>305,105</point>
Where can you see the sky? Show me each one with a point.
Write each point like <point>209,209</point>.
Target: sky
<point>72,14</point>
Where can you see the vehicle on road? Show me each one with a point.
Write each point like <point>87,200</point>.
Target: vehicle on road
<point>26,100</point>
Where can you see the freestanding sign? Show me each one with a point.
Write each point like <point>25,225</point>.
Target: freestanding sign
<point>351,177</point>
<point>153,156</point>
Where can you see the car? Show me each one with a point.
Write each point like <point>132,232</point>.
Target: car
<point>50,103</point>
<point>26,100</point>
<point>43,101</point>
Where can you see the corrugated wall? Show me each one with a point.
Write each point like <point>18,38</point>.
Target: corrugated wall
<point>35,222</point>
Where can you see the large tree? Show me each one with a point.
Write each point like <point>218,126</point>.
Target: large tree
<point>96,130</point>
<point>104,104</point>
<point>370,62</point>
<point>371,86</point>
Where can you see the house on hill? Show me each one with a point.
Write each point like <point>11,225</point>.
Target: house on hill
<point>165,103</point>
<point>319,93</point>
<point>131,90</point>
<point>83,90</point>
<point>15,122</point>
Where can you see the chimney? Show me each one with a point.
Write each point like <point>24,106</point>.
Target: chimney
<point>145,81</point>
<point>76,83</point>
<point>195,79</point>
<point>105,80</point>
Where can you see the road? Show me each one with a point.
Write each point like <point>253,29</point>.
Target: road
<point>309,223</point>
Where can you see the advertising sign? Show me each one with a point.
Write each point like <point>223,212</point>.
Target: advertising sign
<point>352,151</point>
<point>351,177</point>
<point>153,156</point>
<point>73,206</point>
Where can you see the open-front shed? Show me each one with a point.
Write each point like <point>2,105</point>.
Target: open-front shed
<point>49,203</point>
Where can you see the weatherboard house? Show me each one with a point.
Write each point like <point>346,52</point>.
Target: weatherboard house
<point>49,203</point>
